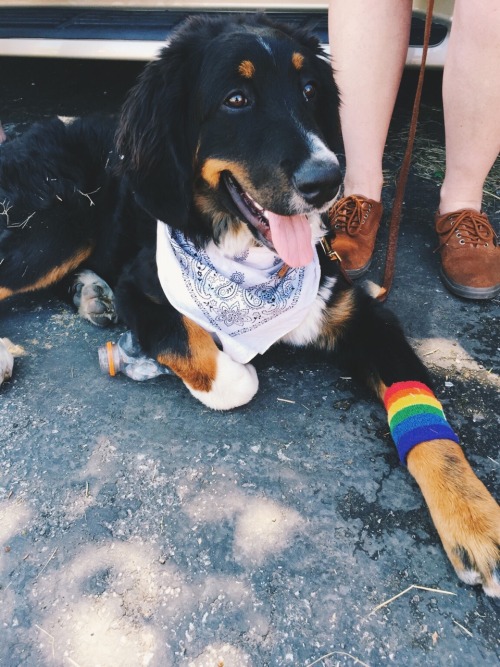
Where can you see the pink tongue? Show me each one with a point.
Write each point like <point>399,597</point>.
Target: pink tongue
<point>291,237</point>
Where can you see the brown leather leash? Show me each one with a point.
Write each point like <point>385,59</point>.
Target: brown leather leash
<point>392,242</point>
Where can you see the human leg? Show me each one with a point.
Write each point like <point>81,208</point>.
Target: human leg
<point>471,99</point>
<point>369,42</point>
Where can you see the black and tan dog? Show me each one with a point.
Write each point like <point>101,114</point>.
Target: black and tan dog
<point>203,211</point>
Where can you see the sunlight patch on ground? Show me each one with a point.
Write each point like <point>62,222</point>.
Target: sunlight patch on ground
<point>221,655</point>
<point>14,517</point>
<point>450,355</point>
<point>101,603</point>
<point>262,527</point>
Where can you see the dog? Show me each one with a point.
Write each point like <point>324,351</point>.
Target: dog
<point>200,221</point>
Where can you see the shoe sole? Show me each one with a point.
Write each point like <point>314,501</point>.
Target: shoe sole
<point>357,273</point>
<point>476,293</point>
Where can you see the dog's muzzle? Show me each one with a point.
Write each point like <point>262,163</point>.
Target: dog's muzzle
<point>318,181</point>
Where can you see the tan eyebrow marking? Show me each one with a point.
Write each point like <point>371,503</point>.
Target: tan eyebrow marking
<point>246,69</point>
<point>297,60</point>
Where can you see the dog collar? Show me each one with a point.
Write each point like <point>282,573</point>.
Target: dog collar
<point>247,302</point>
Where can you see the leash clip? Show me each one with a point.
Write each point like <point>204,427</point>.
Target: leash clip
<point>332,254</point>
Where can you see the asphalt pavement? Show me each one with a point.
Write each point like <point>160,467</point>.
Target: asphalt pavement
<point>139,528</point>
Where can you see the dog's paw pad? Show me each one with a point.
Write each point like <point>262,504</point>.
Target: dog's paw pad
<point>6,360</point>
<point>94,299</point>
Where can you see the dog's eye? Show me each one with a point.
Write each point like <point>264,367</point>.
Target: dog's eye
<point>236,101</point>
<point>309,90</point>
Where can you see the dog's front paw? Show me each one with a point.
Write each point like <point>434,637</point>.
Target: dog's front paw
<point>6,360</point>
<point>466,516</point>
<point>94,299</point>
<point>234,385</point>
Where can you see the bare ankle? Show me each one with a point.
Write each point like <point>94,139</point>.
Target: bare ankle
<point>452,199</point>
<point>369,188</point>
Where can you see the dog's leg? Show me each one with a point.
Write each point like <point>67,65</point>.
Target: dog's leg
<point>210,374</point>
<point>6,360</point>
<point>178,342</point>
<point>22,272</point>
<point>94,299</point>
<point>464,512</point>
<point>12,282</point>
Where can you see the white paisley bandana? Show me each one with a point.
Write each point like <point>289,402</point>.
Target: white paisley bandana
<point>247,302</point>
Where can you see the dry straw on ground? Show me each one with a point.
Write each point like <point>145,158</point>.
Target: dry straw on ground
<point>428,159</point>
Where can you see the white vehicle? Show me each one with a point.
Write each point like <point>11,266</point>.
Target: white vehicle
<point>128,30</point>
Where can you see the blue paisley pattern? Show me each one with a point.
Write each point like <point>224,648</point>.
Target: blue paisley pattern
<point>231,303</point>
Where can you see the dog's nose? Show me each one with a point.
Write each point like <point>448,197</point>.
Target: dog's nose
<point>318,181</point>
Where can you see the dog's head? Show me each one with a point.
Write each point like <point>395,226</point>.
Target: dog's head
<point>231,129</point>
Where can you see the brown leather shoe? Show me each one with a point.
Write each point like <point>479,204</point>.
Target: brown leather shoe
<point>355,221</point>
<point>470,254</point>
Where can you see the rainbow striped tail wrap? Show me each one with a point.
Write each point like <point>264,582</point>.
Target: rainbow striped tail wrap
<point>415,415</point>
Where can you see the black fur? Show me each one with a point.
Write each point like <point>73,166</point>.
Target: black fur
<point>91,184</point>
<point>234,110</point>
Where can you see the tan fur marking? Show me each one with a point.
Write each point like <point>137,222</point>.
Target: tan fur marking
<point>336,318</point>
<point>297,60</point>
<point>53,276</point>
<point>223,225</point>
<point>465,514</point>
<point>379,388</point>
<point>199,368</point>
<point>213,167</point>
<point>208,206</point>
<point>246,69</point>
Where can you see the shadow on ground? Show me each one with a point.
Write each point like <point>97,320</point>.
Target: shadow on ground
<point>139,528</point>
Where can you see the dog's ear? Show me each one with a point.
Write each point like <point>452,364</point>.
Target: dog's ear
<point>153,137</point>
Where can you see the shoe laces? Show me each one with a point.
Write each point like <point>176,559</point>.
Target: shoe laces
<point>470,227</point>
<point>349,213</point>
